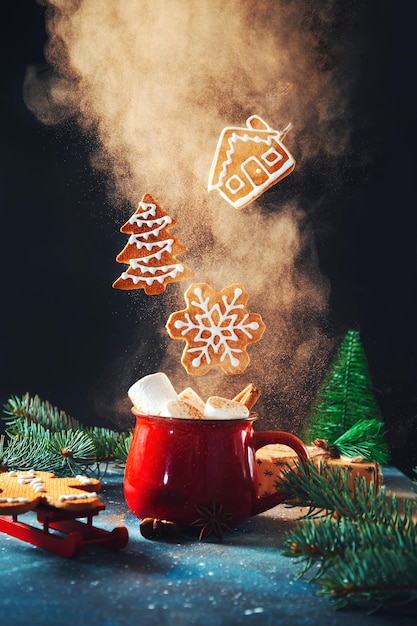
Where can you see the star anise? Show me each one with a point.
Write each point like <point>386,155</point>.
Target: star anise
<point>212,520</point>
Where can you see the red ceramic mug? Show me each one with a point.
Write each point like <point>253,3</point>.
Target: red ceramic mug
<point>176,465</point>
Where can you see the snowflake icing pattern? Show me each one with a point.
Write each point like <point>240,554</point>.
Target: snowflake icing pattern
<point>216,328</point>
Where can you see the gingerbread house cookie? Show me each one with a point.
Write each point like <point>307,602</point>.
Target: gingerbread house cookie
<point>248,161</point>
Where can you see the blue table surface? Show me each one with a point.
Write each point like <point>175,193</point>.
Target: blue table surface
<point>244,580</point>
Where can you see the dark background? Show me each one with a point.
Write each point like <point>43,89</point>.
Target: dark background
<point>61,323</point>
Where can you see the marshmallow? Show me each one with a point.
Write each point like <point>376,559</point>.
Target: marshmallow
<point>192,398</point>
<point>223,408</point>
<point>178,408</point>
<point>150,394</point>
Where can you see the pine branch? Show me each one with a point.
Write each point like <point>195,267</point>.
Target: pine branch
<point>110,446</point>
<point>28,448</point>
<point>122,449</point>
<point>315,543</point>
<point>105,442</point>
<point>74,452</point>
<point>324,490</point>
<point>372,577</point>
<point>359,542</point>
<point>321,541</point>
<point>364,439</point>
<point>42,437</point>
<point>33,409</point>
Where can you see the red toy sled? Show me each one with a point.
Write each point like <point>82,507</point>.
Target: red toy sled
<point>62,532</point>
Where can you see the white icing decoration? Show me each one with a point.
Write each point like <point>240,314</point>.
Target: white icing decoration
<point>84,479</point>
<point>164,246</point>
<point>24,479</point>
<point>28,479</point>
<point>160,223</point>
<point>216,328</point>
<point>151,279</point>
<point>271,156</point>
<point>14,500</point>
<point>73,496</point>
<point>39,488</point>
<point>136,264</point>
<point>234,179</point>
<point>147,209</point>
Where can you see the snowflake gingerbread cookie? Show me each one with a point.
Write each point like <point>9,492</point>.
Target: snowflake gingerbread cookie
<point>151,250</point>
<point>217,329</point>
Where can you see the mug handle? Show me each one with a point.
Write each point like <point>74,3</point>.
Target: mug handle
<point>260,439</point>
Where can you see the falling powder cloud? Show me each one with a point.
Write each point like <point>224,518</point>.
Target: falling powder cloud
<point>155,82</point>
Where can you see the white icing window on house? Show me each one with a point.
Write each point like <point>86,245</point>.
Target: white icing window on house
<point>271,156</point>
<point>234,183</point>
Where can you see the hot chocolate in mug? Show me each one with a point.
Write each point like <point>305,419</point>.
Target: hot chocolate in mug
<point>177,465</point>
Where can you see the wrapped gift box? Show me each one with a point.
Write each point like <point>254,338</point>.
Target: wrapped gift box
<point>273,460</point>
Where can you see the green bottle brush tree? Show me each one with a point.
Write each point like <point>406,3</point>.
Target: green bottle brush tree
<point>345,418</point>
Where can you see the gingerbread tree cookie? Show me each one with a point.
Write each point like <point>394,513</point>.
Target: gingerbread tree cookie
<point>216,328</point>
<point>151,250</point>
